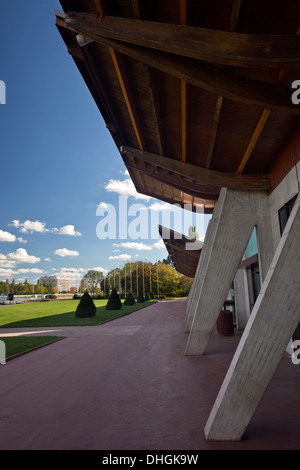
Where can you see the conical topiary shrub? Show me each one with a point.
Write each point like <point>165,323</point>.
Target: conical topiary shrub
<point>86,307</point>
<point>130,300</point>
<point>140,298</point>
<point>114,302</point>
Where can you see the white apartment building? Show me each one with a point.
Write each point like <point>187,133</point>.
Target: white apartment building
<point>61,283</point>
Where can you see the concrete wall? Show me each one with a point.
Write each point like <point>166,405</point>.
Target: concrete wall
<point>284,192</point>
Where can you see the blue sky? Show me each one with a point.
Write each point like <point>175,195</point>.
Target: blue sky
<point>58,160</point>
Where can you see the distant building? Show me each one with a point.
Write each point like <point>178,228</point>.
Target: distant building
<point>61,283</point>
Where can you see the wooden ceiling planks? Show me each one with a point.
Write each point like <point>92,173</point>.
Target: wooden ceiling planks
<point>194,90</point>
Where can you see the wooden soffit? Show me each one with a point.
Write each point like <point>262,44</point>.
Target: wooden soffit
<point>185,253</point>
<point>196,95</point>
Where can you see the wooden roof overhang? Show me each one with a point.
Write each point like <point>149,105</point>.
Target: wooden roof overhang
<point>196,95</point>
<point>184,253</point>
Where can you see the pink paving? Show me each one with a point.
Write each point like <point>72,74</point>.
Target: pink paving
<point>127,385</point>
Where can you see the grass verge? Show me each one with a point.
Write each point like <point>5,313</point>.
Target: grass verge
<point>52,314</point>
<point>59,313</point>
<point>19,345</point>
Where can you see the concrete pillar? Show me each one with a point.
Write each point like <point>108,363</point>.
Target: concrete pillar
<point>2,353</point>
<point>264,236</point>
<point>203,262</point>
<point>188,300</point>
<point>241,297</point>
<point>272,322</point>
<point>231,227</point>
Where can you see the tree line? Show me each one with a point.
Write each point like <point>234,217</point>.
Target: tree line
<point>160,279</point>
<point>25,288</point>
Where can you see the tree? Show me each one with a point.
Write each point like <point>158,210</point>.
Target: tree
<point>130,300</point>
<point>168,260</point>
<point>86,307</point>
<point>50,287</point>
<point>114,302</point>
<point>140,298</point>
<point>92,279</point>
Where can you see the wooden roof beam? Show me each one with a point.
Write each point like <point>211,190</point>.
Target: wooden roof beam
<point>202,176</point>
<point>174,181</point>
<point>255,136</point>
<point>184,92</point>
<point>214,130</point>
<point>99,9</point>
<point>216,46</point>
<point>118,63</point>
<point>210,78</point>
<point>235,13</point>
<point>232,27</point>
<point>152,95</point>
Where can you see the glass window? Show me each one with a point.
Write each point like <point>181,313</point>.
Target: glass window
<point>284,213</point>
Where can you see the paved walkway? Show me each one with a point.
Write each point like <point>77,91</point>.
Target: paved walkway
<point>126,385</point>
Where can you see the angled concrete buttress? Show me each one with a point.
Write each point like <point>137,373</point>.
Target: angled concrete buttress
<point>236,214</point>
<point>272,323</point>
<point>192,301</point>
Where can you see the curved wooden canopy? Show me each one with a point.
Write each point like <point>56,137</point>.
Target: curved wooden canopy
<point>184,253</point>
<point>196,94</point>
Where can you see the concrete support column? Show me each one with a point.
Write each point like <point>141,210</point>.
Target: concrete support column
<point>189,298</point>
<point>201,268</point>
<point>231,227</point>
<point>272,322</point>
<point>264,237</point>
<point>242,303</point>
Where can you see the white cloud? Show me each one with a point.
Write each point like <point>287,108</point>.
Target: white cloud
<point>32,270</point>
<point>122,257</point>
<point>21,256</point>
<point>7,237</point>
<point>64,252</point>
<point>48,260</point>
<point>16,223</point>
<point>159,245</point>
<point>5,263</point>
<point>103,205</point>
<point>134,246</point>
<point>6,273</point>
<point>29,226</point>
<point>69,230</point>
<point>159,206</point>
<point>100,269</point>
<point>124,188</point>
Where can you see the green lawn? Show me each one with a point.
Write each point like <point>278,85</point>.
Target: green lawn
<point>19,345</point>
<point>58,313</point>
<point>49,314</point>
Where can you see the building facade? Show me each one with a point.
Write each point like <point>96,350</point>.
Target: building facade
<point>61,283</point>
